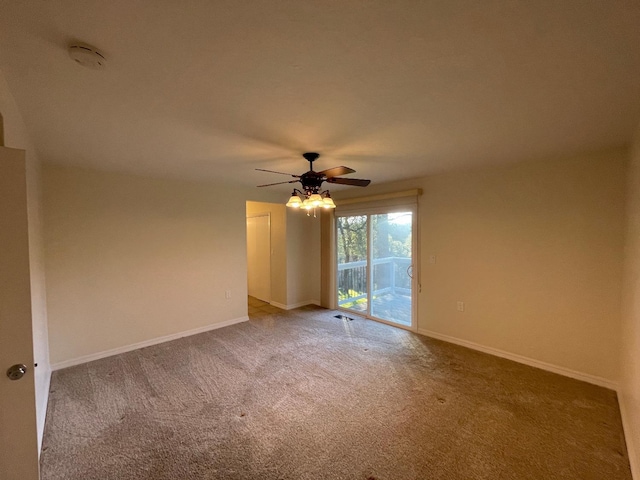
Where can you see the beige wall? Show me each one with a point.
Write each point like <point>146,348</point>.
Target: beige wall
<point>295,258</point>
<point>278,216</point>
<point>16,136</point>
<point>630,354</point>
<point>327,259</point>
<point>130,259</point>
<point>303,258</point>
<point>535,252</point>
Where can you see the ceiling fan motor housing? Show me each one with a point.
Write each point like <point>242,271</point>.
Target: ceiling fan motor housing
<point>311,182</point>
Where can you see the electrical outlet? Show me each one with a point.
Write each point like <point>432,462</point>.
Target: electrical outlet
<point>227,294</point>
<point>460,306</point>
<point>432,259</point>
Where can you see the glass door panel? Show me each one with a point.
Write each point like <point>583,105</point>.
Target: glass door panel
<point>353,268</point>
<point>391,281</point>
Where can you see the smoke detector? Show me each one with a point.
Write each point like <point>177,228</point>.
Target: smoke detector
<point>86,55</point>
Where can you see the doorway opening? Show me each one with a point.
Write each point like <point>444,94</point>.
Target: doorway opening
<point>259,256</point>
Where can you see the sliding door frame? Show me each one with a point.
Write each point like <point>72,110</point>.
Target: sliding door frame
<point>415,263</point>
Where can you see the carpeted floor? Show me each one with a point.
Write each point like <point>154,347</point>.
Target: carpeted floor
<point>304,395</point>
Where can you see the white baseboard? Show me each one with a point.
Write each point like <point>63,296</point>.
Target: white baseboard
<point>295,305</point>
<point>585,377</point>
<point>43,409</point>
<point>146,343</point>
<point>279,305</point>
<point>634,455</point>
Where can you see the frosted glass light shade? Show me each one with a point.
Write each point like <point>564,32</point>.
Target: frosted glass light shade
<point>315,200</point>
<point>294,202</point>
<point>328,203</point>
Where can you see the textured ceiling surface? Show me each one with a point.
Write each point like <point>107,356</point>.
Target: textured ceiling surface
<point>213,90</point>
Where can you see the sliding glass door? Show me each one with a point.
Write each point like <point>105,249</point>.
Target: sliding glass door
<point>353,270</point>
<point>391,262</point>
<point>375,265</point>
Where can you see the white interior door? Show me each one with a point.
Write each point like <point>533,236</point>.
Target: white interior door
<point>259,257</point>
<point>18,431</point>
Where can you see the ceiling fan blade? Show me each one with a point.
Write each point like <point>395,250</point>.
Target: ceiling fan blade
<point>277,183</point>
<point>279,173</point>
<point>335,171</point>
<point>356,182</point>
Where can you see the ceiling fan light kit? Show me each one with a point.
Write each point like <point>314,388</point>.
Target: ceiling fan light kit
<point>310,202</point>
<point>310,197</point>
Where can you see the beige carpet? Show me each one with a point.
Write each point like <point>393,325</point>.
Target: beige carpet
<point>303,395</point>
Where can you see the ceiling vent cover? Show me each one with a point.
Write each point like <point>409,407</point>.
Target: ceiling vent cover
<point>86,55</point>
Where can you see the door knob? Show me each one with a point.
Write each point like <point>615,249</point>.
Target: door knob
<point>16,372</point>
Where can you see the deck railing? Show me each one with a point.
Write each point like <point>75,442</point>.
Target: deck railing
<point>389,276</point>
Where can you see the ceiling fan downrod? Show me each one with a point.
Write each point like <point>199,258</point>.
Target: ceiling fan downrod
<point>311,157</point>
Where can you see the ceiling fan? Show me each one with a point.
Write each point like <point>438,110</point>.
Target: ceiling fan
<point>312,181</point>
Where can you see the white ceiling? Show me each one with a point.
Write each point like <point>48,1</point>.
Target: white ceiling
<point>393,89</point>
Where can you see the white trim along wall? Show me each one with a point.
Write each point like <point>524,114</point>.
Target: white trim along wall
<point>147,343</point>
